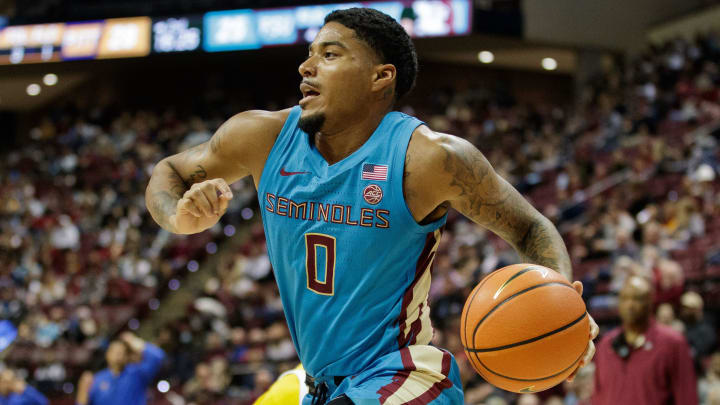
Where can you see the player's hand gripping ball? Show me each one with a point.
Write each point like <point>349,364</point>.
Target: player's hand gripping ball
<point>525,328</point>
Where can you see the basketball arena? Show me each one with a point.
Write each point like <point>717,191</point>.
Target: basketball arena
<point>235,202</point>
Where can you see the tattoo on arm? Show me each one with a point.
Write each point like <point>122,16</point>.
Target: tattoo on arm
<point>470,171</point>
<point>492,202</point>
<point>178,186</point>
<point>543,245</point>
<point>198,175</point>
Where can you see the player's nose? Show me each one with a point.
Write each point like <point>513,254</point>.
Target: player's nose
<point>307,68</point>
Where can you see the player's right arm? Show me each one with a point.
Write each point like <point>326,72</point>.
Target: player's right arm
<point>188,192</point>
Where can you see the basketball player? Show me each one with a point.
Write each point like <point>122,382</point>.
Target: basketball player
<point>353,198</point>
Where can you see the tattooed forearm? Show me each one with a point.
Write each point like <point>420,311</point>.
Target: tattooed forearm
<point>177,185</point>
<point>543,245</point>
<point>489,200</point>
<point>165,189</point>
<point>198,175</point>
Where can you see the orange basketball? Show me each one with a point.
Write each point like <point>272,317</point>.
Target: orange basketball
<point>524,328</point>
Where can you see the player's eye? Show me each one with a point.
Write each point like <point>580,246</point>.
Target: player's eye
<point>330,54</point>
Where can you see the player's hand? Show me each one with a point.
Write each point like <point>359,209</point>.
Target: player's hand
<point>202,206</point>
<point>594,329</point>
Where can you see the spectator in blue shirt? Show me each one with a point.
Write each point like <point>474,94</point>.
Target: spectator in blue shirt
<point>123,382</point>
<point>14,391</point>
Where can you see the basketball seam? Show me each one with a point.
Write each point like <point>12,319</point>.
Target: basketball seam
<point>511,297</point>
<point>516,275</point>
<point>477,290</point>
<point>531,340</point>
<point>477,357</point>
<point>533,379</point>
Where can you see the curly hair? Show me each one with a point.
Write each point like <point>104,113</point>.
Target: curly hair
<point>387,37</point>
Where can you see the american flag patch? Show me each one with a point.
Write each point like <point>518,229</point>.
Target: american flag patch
<point>374,172</point>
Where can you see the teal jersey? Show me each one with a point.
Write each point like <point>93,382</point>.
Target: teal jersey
<point>351,263</point>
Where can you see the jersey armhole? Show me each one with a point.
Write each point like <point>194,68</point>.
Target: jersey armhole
<point>397,181</point>
<point>282,139</point>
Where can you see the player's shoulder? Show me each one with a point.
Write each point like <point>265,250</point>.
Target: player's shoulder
<point>430,151</point>
<point>258,121</point>
<point>248,133</point>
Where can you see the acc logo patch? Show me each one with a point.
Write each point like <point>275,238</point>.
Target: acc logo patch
<point>104,386</point>
<point>372,194</point>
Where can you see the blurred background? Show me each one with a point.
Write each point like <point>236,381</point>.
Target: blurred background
<point>604,114</point>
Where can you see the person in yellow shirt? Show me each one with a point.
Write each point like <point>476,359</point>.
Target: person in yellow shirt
<point>289,388</point>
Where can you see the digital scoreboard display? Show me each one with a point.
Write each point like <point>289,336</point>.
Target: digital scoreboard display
<point>252,29</point>
<point>111,38</point>
<point>214,31</point>
<point>31,43</point>
<point>177,34</point>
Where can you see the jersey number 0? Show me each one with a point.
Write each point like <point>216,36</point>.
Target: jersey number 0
<point>314,242</point>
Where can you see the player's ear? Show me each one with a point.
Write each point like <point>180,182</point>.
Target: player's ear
<point>384,78</point>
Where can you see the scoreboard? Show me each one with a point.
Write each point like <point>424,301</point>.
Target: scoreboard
<point>111,38</point>
<point>214,31</point>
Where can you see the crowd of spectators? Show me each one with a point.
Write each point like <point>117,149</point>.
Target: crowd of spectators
<point>80,257</point>
<point>628,174</point>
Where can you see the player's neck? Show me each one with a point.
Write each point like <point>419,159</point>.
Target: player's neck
<point>337,144</point>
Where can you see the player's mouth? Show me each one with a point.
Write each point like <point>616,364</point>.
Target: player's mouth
<point>308,92</point>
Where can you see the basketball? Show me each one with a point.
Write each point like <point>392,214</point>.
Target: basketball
<point>524,328</point>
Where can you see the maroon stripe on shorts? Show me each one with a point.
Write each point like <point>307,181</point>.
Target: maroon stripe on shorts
<point>437,388</point>
<point>399,378</point>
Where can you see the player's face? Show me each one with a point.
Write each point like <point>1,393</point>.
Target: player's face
<point>337,76</point>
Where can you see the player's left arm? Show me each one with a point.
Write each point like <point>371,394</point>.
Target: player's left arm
<point>460,176</point>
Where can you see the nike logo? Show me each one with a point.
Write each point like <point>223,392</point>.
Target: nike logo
<point>284,173</point>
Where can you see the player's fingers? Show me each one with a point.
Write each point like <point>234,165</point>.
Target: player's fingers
<point>223,204</point>
<point>581,364</point>
<point>187,205</point>
<point>574,373</point>
<point>589,353</point>
<point>578,286</point>
<point>223,188</point>
<point>200,202</point>
<point>594,328</point>
<point>210,195</point>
